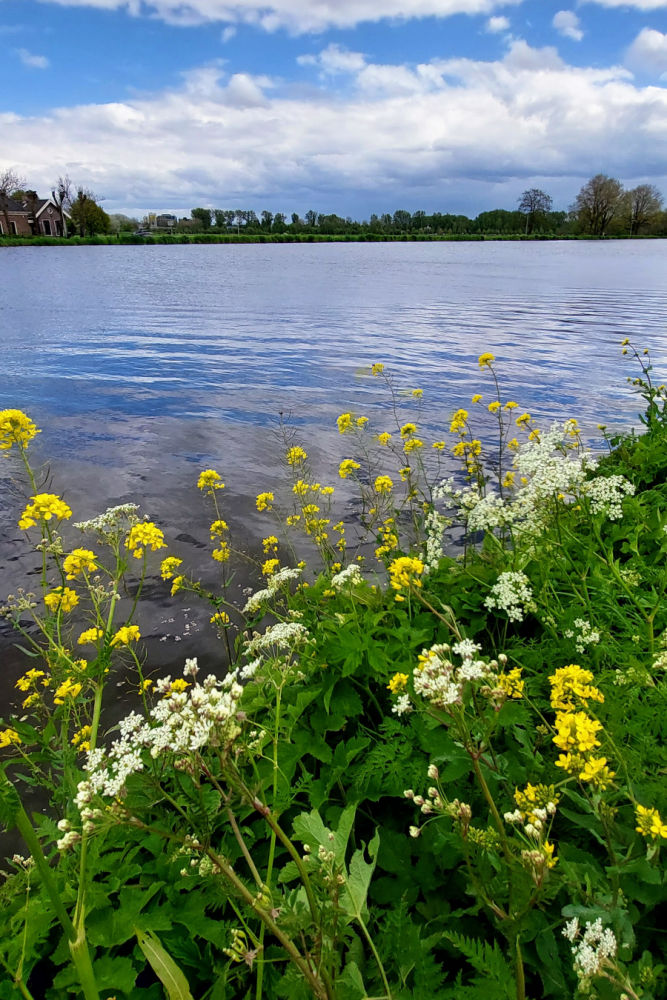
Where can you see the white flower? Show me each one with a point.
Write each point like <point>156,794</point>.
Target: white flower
<point>402,705</point>
<point>283,635</point>
<point>350,575</point>
<point>606,495</point>
<point>511,594</point>
<point>571,929</point>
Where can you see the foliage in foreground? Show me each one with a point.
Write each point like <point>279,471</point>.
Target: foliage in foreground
<point>445,783</point>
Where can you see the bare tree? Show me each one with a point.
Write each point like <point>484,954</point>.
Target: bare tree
<point>10,181</point>
<point>597,203</point>
<point>62,196</point>
<point>641,205</point>
<point>533,203</point>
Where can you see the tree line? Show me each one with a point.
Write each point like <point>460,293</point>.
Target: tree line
<point>603,207</point>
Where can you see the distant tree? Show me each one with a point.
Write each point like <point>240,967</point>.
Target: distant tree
<point>296,223</point>
<point>419,220</point>
<point>87,216</point>
<point>641,206</point>
<point>279,223</point>
<point>123,223</point>
<point>534,203</point>
<point>499,220</point>
<point>401,221</point>
<point>597,203</point>
<point>311,218</point>
<point>202,216</point>
<point>10,181</point>
<point>62,197</point>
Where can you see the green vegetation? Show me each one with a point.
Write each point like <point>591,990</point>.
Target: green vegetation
<point>424,775</point>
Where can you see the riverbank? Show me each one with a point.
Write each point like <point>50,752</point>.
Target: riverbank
<point>242,238</point>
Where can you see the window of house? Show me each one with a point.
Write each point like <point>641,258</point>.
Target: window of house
<point>47,227</point>
<point>15,231</point>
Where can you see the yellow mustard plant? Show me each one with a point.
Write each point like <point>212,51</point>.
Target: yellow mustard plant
<point>79,561</point>
<point>377,368</point>
<point>458,421</point>
<point>90,635</point>
<point>16,428</point>
<point>61,599</point>
<point>142,536</point>
<point>296,455</point>
<point>383,484</point>
<point>7,737</point>
<point>169,566</point>
<point>384,438</point>
<point>222,553</point>
<point>43,507</point>
<point>405,572</point>
<point>125,635</point>
<point>68,689</point>
<point>486,360</point>
<point>397,683</point>
<point>264,501</point>
<point>270,566</point>
<point>649,823</point>
<point>210,480</point>
<point>511,683</point>
<point>407,430</point>
<point>347,467</point>
<point>345,422</point>
<point>571,687</point>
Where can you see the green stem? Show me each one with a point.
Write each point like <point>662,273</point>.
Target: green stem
<point>520,974</point>
<point>376,956</point>
<point>492,806</point>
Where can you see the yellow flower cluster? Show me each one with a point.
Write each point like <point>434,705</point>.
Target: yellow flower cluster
<point>388,537</point>
<point>649,823</point>
<point>377,368</point>
<point>43,507</point>
<point>210,480</point>
<point>81,740</point>
<point>90,635</point>
<point>576,731</point>
<point>61,599</point>
<point>7,737</point>
<point>459,421</point>
<point>383,484</point>
<point>30,678</point>
<point>536,797</point>
<point>264,501</point>
<point>169,566</point>
<point>16,428</point>
<point>222,553</point>
<point>68,689</point>
<point>143,536</point>
<point>125,635</point>
<point>269,544</point>
<point>79,561</point>
<point>511,683</point>
<point>407,430</point>
<point>219,618</point>
<point>270,566</point>
<point>296,455</point>
<point>397,683</point>
<point>345,422</point>
<point>384,438</point>
<point>412,444</point>
<point>486,360</point>
<point>405,572</point>
<point>218,528</point>
<point>347,467</point>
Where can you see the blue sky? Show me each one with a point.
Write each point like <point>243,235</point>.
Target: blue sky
<point>447,105</point>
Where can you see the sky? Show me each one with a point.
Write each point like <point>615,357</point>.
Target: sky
<point>346,106</point>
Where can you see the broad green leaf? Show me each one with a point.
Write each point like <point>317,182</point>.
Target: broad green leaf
<point>163,965</point>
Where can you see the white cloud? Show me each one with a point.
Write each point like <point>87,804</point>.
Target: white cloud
<point>31,60</point>
<point>567,23</point>
<point>497,24</point>
<point>649,51</point>
<point>391,134</point>
<point>637,4</point>
<point>334,59</point>
<point>228,33</point>
<point>295,15</point>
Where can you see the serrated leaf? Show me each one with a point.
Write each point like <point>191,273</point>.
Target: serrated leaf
<point>10,802</point>
<point>353,898</point>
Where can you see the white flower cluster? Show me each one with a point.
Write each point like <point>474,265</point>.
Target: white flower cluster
<point>535,823</point>
<point>275,582</point>
<point>592,952</point>
<point>350,575</point>
<point>283,635</point>
<point>584,635</point>
<point>606,495</point>
<point>112,520</point>
<point>440,681</point>
<point>511,594</point>
<point>435,525</point>
<point>182,722</point>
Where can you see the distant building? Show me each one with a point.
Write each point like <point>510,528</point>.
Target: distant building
<point>165,221</point>
<point>30,217</point>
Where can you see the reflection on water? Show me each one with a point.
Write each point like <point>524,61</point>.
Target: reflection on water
<point>145,364</point>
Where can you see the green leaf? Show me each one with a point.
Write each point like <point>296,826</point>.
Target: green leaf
<point>163,965</point>
<point>350,984</point>
<point>353,898</point>
<point>10,802</point>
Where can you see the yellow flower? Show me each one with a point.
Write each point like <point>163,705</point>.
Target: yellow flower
<point>68,689</point>
<point>513,444</point>
<point>43,507</point>
<point>293,519</point>
<point>177,687</point>
<point>412,445</point>
<point>397,683</point>
<point>145,685</point>
<point>508,481</point>
<point>220,618</point>
<point>361,421</point>
<point>127,634</point>
<point>623,344</point>
<point>81,740</point>
<point>405,571</point>
<point>477,398</point>
<point>29,679</point>
<point>326,491</point>
<point>576,731</point>
<point>407,430</point>
<point>169,566</point>
<point>571,686</point>
<point>347,467</point>
<point>79,561</point>
<point>8,736</point>
<point>548,851</point>
<point>525,418</point>
<point>311,508</point>
<point>15,428</point>
<point>596,771</point>
<point>511,405</point>
<point>344,422</point>
<point>494,406</point>
<point>222,553</point>
<point>296,455</point>
<point>270,544</point>
<point>90,635</point>
<point>383,484</point>
<point>301,488</point>
<point>511,683</point>
<point>143,536</point>
<point>178,584</point>
<point>210,480</point>
<point>61,599</point>
<point>458,421</point>
<point>264,501</point>
<point>486,360</point>
<point>377,368</point>
<point>649,823</point>
<point>439,445</point>
<point>417,393</point>
<point>270,566</point>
